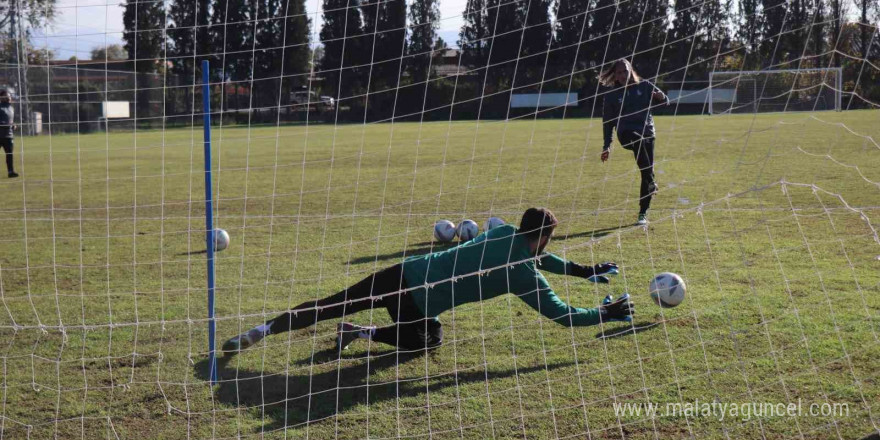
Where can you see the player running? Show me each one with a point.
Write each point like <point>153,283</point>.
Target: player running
<point>415,292</point>
<point>628,107</point>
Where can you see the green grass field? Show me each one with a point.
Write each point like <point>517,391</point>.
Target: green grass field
<point>772,220</point>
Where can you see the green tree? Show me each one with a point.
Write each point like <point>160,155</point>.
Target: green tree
<point>424,16</point>
<point>144,37</point>
<point>111,52</point>
<point>340,37</point>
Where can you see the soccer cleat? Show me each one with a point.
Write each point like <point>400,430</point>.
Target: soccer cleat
<point>643,219</point>
<point>346,333</point>
<point>609,300</point>
<point>12,174</point>
<point>242,341</point>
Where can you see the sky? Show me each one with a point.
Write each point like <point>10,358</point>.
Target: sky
<point>82,25</point>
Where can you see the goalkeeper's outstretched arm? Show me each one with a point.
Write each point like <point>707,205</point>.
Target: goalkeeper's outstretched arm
<point>597,274</point>
<point>539,296</point>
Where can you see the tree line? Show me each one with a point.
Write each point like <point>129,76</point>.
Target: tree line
<point>377,58</point>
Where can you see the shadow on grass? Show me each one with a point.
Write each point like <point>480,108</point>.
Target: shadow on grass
<point>299,399</point>
<point>201,252</point>
<point>597,233</point>
<point>626,329</point>
<point>421,249</point>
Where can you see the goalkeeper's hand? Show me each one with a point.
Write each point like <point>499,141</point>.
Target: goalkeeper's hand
<point>621,309</point>
<point>602,271</point>
<point>605,153</point>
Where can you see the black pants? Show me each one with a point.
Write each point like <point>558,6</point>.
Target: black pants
<point>411,331</point>
<point>6,144</point>
<point>643,150</point>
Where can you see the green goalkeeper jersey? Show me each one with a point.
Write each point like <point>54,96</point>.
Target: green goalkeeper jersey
<point>495,263</point>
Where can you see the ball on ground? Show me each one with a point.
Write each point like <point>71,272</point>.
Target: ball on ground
<point>221,239</point>
<point>444,230</point>
<point>467,230</point>
<point>667,289</point>
<point>493,223</point>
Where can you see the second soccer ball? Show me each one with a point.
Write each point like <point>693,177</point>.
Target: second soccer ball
<point>467,230</point>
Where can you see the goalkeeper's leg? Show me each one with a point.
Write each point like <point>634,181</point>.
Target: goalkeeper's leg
<point>411,331</point>
<point>351,300</point>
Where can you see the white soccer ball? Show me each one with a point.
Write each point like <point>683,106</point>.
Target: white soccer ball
<point>467,230</point>
<point>667,289</point>
<point>444,230</point>
<point>221,239</point>
<point>493,223</point>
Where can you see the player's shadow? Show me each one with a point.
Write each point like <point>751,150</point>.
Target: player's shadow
<point>596,233</point>
<point>419,249</point>
<point>296,399</point>
<point>625,330</point>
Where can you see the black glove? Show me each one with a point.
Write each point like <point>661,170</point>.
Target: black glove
<point>620,310</point>
<point>597,273</point>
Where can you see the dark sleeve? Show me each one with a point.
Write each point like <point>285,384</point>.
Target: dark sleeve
<point>609,118</point>
<point>553,264</point>
<point>558,265</point>
<point>539,296</point>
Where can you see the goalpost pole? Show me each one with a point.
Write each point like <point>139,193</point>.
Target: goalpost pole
<point>209,219</point>
<point>839,89</point>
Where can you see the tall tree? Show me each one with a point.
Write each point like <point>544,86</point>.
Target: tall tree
<point>267,52</point>
<point>474,37</point>
<point>798,26</point>
<point>748,27</point>
<point>818,33</point>
<point>537,36</point>
<point>837,11</point>
<point>505,20</point>
<point>234,23</point>
<point>144,36</point>
<point>424,18</point>
<point>686,38</point>
<point>570,34</point>
<point>652,30</point>
<point>23,15</point>
<point>182,37</point>
<point>865,7</point>
<point>340,38</point>
<point>773,26</point>
<point>297,55</point>
<point>390,43</point>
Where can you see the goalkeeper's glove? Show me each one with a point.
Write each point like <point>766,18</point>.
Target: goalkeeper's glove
<point>597,274</point>
<point>620,310</point>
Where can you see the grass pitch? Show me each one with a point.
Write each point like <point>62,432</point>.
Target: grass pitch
<point>771,219</point>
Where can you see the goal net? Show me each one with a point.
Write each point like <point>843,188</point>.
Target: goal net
<point>775,90</point>
<point>340,132</point>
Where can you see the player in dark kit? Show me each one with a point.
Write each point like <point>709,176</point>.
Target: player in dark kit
<point>627,107</point>
<point>7,124</point>
<point>502,260</point>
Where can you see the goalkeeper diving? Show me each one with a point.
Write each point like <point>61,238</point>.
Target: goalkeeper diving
<point>418,290</point>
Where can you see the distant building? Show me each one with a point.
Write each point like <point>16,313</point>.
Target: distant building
<point>448,63</point>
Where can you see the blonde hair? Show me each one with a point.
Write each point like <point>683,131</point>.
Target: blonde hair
<point>606,78</point>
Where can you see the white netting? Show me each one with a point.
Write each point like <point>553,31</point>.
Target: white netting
<point>344,129</point>
<point>776,91</point>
